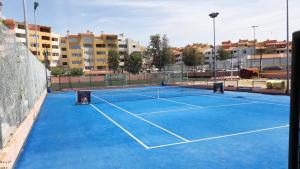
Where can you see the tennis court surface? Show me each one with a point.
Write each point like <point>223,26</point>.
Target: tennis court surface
<point>160,128</point>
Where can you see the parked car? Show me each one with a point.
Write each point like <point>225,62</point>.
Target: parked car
<point>272,68</point>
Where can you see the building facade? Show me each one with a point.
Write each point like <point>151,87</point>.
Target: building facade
<point>46,49</point>
<point>87,51</point>
<point>128,46</point>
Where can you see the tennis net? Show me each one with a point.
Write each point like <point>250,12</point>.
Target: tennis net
<point>145,93</point>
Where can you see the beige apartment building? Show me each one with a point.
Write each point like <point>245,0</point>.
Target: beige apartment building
<point>87,51</point>
<point>47,41</point>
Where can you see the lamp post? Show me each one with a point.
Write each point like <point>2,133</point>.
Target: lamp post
<point>26,26</point>
<point>254,41</point>
<point>287,49</point>
<point>36,4</point>
<point>213,16</point>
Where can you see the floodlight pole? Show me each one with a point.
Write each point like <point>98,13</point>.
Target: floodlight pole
<point>287,49</point>
<point>36,36</point>
<point>26,26</point>
<point>214,15</point>
<point>254,47</point>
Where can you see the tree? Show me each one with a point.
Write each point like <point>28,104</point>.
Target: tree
<point>113,60</point>
<point>165,52</point>
<point>57,71</point>
<point>159,50</point>
<point>147,59</point>
<point>134,63</point>
<point>223,54</point>
<point>76,72</point>
<point>191,57</point>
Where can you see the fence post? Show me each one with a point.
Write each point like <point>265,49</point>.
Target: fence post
<point>295,106</point>
<point>59,83</point>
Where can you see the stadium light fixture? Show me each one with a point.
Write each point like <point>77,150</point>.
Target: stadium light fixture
<point>213,16</point>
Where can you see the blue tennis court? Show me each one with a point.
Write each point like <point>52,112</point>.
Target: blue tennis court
<point>160,128</point>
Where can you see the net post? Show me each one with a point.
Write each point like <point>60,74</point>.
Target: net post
<point>295,104</point>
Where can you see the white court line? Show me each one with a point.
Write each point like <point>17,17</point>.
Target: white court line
<point>174,110</point>
<point>122,128</point>
<point>219,137</point>
<point>173,101</point>
<point>143,119</point>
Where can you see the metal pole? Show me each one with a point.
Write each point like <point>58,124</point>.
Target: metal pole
<point>26,26</point>
<point>287,49</point>
<point>231,66</point>
<point>254,47</point>
<point>90,71</point>
<point>295,105</point>
<point>36,36</point>
<point>215,58</point>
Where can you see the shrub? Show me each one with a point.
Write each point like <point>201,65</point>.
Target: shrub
<point>275,84</point>
<point>76,72</point>
<point>57,71</point>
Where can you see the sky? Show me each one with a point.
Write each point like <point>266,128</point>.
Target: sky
<point>184,21</point>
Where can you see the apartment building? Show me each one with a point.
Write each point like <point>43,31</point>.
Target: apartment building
<point>128,46</point>
<point>249,53</point>
<point>46,49</point>
<point>87,51</point>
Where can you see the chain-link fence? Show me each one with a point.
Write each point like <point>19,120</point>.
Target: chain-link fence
<point>22,82</point>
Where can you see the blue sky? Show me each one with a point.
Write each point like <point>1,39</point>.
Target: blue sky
<point>184,21</point>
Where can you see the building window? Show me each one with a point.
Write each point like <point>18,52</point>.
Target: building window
<point>88,53</point>
<point>112,45</point>
<point>88,40</point>
<point>65,63</point>
<point>73,40</point>
<point>63,49</point>
<point>63,41</point>
<point>100,45</point>
<point>45,45</point>
<point>76,62</point>
<point>100,67</point>
<point>20,35</point>
<point>47,30</point>
<point>88,45</point>
<point>45,37</point>
<point>21,26</point>
<point>101,60</point>
<point>122,46</point>
<point>55,54</point>
<point>55,39</point>
<point>76,54</point>
<point>55,46</point>
<point>101,52</point>
<point>245,52</point>
<point>75,47</point>
<point>133,46</point>
<point>64,56</point>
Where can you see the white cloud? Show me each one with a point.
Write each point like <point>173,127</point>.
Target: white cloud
<point>187,21</point>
